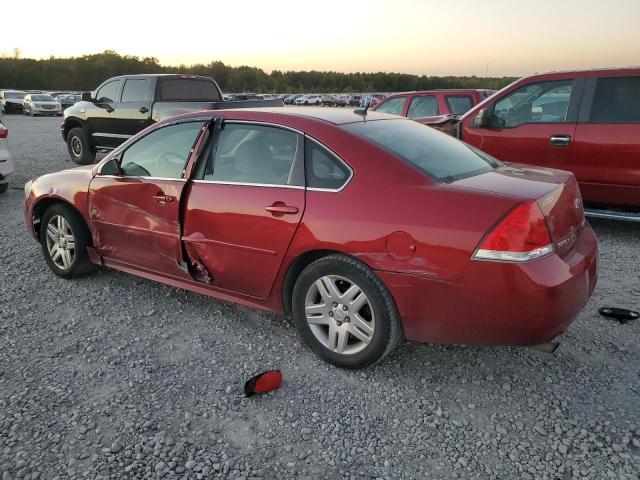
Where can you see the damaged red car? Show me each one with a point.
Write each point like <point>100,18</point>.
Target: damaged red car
<point>366,228</point>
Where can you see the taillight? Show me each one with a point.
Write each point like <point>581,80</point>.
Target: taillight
<point>4,132</point>
<point>520,236</point>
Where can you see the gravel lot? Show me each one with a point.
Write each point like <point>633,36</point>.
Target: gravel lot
<point>113,376</point>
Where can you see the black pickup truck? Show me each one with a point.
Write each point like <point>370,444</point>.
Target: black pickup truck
<point>123,106</point>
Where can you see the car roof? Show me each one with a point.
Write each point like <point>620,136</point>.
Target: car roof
<point>337,116</point>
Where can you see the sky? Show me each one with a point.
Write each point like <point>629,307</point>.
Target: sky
<point>444,37</point>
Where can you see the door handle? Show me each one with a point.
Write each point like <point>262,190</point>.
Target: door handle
<point>279,208</point>
<point>143,110</point>
<point>161,198</point>
<point>560,140</point>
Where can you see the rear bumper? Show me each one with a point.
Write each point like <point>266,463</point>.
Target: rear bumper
<point>495,303</point>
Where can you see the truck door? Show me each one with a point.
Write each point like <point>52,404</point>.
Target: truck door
<point>102,118</point>
<point>133,112</point>
<point>534,124</point>
<point>606,155</point>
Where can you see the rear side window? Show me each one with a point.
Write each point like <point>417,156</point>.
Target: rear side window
<point>323,169</point>
<point>435,153</point>
<point>393,106</point>
<point>616,100</point>
<point>135,90</point>
<point>459,104</point>
<point>542,102</point>
<point>423,106</point>
<point>176,89</point>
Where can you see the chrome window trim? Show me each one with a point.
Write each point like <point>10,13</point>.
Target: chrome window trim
<point>145,178</point>
<point>346,182</point>
<point>245,184</point>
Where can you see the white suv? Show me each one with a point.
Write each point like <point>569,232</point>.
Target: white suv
<point>6,159</point>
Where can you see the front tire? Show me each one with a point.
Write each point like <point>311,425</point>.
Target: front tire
<point>345,313</point>
<point>4,187</point>
<point>80,149</point>
<point>64,238</point>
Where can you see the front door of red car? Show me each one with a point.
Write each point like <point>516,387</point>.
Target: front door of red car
<point>534,124</point>
<point>135,211</point>
<point>244,208</point>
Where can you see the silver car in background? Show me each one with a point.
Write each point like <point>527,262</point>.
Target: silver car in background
<point>41,104</point>
<point>6,159</point>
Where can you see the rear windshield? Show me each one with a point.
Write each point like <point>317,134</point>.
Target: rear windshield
<point>14,95</point>
<point>429,151</point>
<point>175,89</point>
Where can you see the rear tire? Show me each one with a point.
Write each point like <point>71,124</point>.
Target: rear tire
<point>80,149</point>
<point>64,238</point>
<point>349,332</point>
<point>4,187</point>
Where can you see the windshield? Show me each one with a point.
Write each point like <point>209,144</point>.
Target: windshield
<point>42,98</point>
<point>14,95</point>
<point>429,151</point>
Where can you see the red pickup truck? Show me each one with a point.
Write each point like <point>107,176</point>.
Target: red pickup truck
<point>439,109</point>
<point>586,121</point>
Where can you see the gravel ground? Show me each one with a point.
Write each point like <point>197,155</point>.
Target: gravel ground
<point>113,376</point>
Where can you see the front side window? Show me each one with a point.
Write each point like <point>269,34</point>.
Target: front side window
<point>393,106</point>
<point>543,102</point>
<point>161,154</point>
<point>135,90</point>
<point>255,154</point>
<point>423,106</point>
<point>108,92</point>
<point>437,154</point>
<point>616,100</point>
<point>323,169</point>
<point>459,104</point>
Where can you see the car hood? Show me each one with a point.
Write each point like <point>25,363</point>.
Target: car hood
<point>40,102</point>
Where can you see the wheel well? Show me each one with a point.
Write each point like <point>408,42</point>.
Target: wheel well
<point>44,205</point>
<point>296,267</point>
<point>68,125</point>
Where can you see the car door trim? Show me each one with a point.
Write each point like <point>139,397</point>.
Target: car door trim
<point>194,239</point>
<point>110,135</point>
<point>245,184</point>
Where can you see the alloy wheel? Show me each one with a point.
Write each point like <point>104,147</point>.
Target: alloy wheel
<point>340,314</point>
<point>61,243</point>
<point>76,146</point>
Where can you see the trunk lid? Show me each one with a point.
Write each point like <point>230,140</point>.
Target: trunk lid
<point>555,191</point>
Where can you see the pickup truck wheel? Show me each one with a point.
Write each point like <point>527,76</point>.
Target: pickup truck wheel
<point>345,313</point>
<point>3,187</point>
<point>80,150</point>
<point>64,238</point>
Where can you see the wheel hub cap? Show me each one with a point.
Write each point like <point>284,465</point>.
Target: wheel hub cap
<point>60,242</point>
<point>339,314</point>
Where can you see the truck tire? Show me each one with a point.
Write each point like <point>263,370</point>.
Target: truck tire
<point>80,149</point>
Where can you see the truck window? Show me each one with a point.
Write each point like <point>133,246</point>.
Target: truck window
<point>135,90</point>
<point>459,104</point>
<point>616,100</point>
<point>393,105</point>
<point>423,106</point>
<point>177,89</point>
<point>109,91</point>
<point>542,102</point>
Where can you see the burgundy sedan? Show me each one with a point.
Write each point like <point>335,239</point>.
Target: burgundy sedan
<point>367,229</point>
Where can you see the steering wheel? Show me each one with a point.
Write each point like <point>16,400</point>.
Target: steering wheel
<point>169,160</point>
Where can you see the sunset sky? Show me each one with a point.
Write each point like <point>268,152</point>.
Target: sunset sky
<point>461,37</point>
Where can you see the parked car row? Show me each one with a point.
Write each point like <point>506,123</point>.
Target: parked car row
<point>36,102</point>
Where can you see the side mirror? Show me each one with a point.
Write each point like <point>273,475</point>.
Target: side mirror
<point>86,96</point>
<point>481,120</point>
<point>367,101</point>
<point>112,167</point>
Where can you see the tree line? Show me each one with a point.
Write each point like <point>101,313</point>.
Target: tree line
<point>89,71</point>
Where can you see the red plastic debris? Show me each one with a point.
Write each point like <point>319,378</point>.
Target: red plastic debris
<point>263,382</point>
